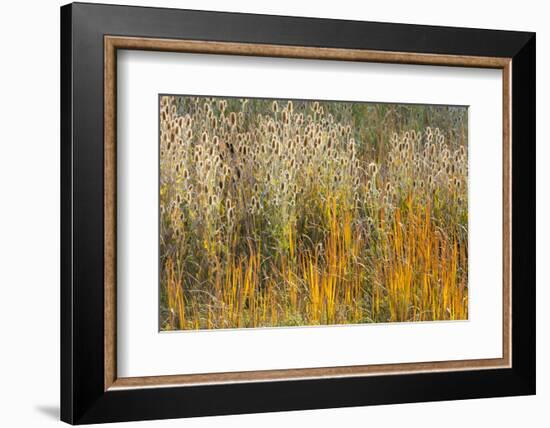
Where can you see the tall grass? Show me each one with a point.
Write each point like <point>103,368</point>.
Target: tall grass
<point>278,213</point>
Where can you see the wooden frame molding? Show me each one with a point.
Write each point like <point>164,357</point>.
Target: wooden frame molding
<point>113,43</point>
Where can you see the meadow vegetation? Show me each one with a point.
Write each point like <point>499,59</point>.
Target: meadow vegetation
<point>288,213</point>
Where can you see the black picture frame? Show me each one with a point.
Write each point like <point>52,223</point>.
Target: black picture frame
<point>83,398</point>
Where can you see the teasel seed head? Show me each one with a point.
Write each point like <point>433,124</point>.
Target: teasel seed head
<point>290,106</point>
<point>373,169</point>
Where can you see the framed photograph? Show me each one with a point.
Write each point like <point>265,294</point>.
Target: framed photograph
<point>265,213</point>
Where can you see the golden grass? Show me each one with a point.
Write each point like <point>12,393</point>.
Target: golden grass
<point>421,278</point>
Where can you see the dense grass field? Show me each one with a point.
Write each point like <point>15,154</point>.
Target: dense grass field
<point>289,213</point>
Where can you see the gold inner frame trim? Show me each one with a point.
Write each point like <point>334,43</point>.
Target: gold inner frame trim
<point>113,43</point>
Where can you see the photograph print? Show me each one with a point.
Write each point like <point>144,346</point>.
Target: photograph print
<point>287,212</point>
